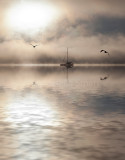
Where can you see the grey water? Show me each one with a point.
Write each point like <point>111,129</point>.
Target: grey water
<point>51,113</point>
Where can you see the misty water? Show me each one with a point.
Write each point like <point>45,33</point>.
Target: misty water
<point>50,113</point>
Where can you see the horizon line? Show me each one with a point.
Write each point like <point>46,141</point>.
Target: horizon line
<point>58,65</point>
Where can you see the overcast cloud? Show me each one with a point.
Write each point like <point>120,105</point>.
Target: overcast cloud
<point>85,26</point>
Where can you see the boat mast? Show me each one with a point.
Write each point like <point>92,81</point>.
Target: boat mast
<point>67,55</point>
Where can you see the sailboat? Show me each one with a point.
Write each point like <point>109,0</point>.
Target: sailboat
<point>68,63</point>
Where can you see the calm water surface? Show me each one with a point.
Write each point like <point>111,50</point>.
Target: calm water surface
<point>49,113</point>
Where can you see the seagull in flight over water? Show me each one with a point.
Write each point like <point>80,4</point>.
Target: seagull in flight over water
<point>104,51</point>
<point>34,46</point>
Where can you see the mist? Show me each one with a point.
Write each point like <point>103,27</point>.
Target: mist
<point>85,27</point>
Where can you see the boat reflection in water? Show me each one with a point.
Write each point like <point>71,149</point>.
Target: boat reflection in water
<point>45,117</point>
<point>68,63</point>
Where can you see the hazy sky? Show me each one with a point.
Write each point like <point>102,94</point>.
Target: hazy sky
<point>85,26</point>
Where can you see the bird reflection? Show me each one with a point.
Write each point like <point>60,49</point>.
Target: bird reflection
<point>104,78</point>
<point>34,83</point>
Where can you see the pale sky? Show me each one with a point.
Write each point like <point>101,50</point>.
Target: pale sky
<point>84,26</point>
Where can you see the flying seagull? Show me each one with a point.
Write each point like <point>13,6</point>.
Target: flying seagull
<point>34,45</point>
<point>104,51</point>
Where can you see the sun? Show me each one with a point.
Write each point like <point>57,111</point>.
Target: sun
<point>31,16</point>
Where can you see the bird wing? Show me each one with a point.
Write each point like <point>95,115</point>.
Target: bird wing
<point>101,50</point>
<point>107,52</point>
<point>102,79</point>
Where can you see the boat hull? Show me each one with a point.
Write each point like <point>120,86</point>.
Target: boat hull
<point>68,64</point>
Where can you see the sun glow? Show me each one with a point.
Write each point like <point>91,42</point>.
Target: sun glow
<point>29,16</point>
